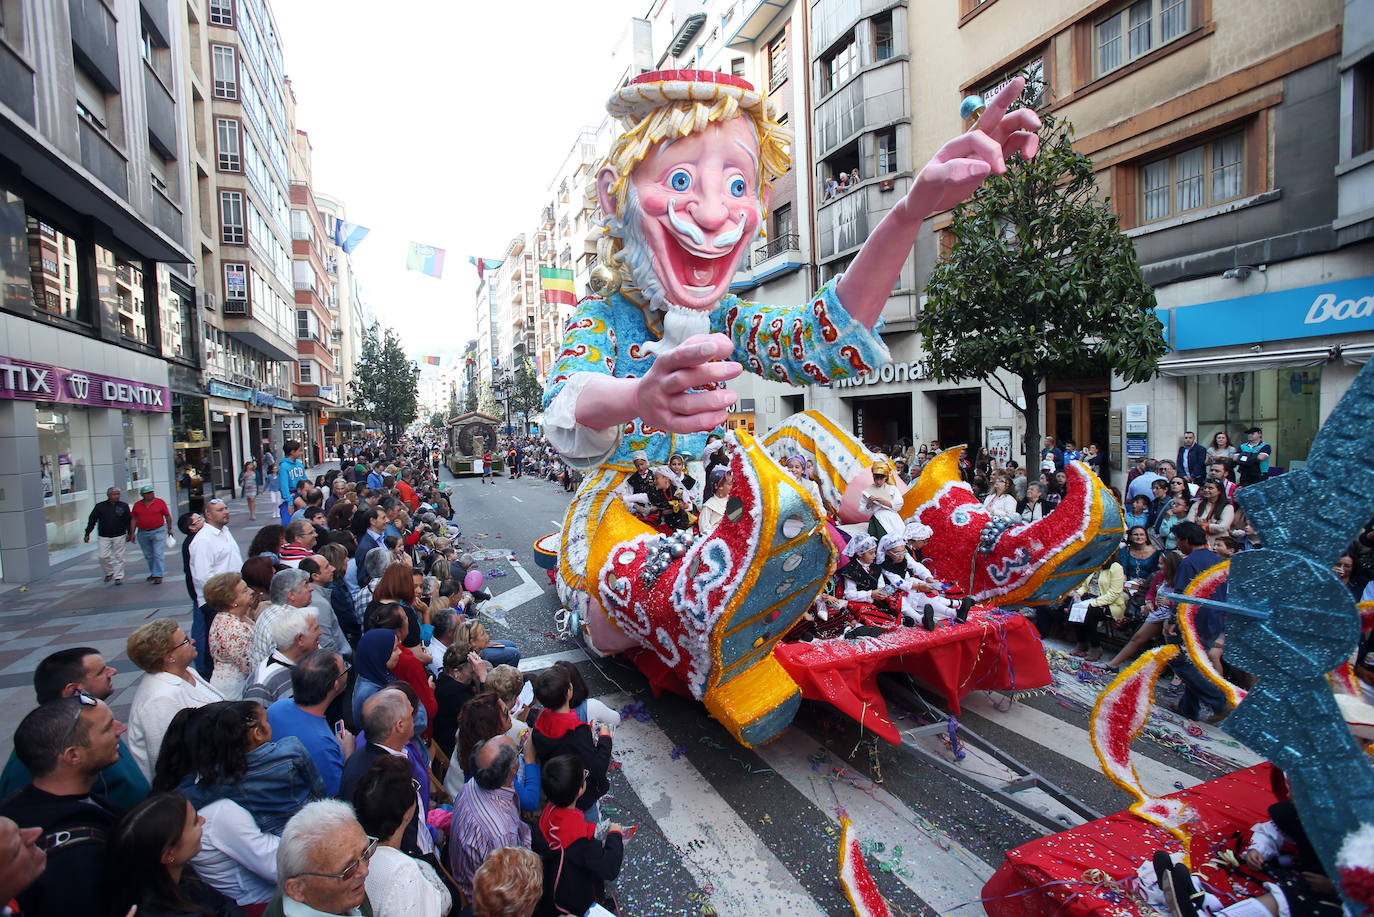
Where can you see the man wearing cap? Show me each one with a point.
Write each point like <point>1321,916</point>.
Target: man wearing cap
<point>152,524</point>
<point>683,192</point>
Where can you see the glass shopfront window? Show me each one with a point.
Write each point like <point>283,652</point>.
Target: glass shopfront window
<point>138,455</point>
<point>1284,403</point>
<point>64,455</point>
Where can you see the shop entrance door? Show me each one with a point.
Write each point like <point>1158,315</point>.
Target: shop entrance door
<point>880,422</point>
<point>1076,410</point>
<point>959,418</point>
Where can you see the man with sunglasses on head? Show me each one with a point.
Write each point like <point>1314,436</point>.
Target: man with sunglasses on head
<point>322,863</point>
<point>67,673</point>
<point>65,744</point>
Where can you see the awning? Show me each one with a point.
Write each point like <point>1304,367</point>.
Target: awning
<point>1357,354</point>
<point>1247,362</point>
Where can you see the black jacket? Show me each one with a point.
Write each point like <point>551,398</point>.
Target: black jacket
<point>564,734</point>
<point>575,877</point>
<point>1196,464</point>
<point>354,768</point>
<point>110,519</point>
<point>75,829</point>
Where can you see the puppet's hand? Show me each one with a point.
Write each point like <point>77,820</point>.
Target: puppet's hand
<point>662,398</point>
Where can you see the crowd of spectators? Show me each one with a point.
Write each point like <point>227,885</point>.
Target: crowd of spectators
<point>337,733</point>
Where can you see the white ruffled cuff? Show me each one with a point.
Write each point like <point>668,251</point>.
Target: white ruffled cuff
<point>580,446</point>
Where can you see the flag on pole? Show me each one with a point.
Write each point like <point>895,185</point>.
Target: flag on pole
<point>558,285</point>
<point>426,259</point>
<point>431,361</point>
<point>348,235</point>
<point>484,264</point>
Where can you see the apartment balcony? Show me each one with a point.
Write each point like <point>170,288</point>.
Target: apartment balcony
<point>16,83</point>
<point>754,18</point>
<point>103,159</point>
<point>876,98</point>
<point>517,294</point>
<point>831,20</point>
<point>546,219</point>
<point>844,222</point>
<point>166,214</point>
<point>263,336</point>
<point>162,114</point>
<point>779,257</point>
<point>315,349</point>
<point>563,191</point>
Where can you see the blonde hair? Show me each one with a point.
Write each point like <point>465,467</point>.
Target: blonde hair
<point>673,121</point>
<point>148,645</point>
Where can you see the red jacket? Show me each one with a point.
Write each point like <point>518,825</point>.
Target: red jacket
<point>408,496</point>
<point>412,672</point>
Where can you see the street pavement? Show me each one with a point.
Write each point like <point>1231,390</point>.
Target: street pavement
<point>723,829</point>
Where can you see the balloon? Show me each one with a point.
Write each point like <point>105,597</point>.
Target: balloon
<point>474,580</point>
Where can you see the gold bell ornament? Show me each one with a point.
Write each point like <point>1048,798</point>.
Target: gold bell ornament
<point>604,280</point>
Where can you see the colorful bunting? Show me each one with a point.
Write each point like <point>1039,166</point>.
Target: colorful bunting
<point>558,285</point>
<point>426,259</point>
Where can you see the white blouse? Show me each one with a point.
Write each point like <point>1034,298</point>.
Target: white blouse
<point>401,886</point>
<point>159,697</point>
<point>236,858</point>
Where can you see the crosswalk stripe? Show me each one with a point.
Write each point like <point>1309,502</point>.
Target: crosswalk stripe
<point>1068,740</point>
<point>742,873</point>
<point>536,663</point>
<point>940,868</point>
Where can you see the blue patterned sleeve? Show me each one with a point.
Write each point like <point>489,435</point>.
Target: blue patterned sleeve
<point>589,346</point>
<point>815,343</point>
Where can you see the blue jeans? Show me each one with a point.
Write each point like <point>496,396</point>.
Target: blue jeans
<point>153,542</point>
<point>201,617</point>
<point>501,655</point>
<point>1197,690</point>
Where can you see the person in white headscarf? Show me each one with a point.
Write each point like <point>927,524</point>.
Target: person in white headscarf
<point>634,490</point>
<point>668,498</point>
<point>713,510</point>
<point>871,600</point>
<point>882,501</point>
<point>796,466</point>
<point>923,598</point>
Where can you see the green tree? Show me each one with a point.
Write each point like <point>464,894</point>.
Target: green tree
<point>472,394</point>
<point>436,420</point>
<point>385,387</point>
<point>527,395</point>
<point>1040,283</point>
<point>453,399</point>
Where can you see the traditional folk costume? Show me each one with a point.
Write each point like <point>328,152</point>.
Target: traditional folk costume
<point>916,584</point>
<point>673,503</point>
<point>883,520</point>
<point>860,580</point>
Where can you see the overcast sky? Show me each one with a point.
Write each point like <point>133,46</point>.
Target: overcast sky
<point>443,122</point>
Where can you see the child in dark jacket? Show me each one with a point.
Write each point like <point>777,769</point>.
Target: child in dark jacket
<point>559,731</point>
<point>577,866</point>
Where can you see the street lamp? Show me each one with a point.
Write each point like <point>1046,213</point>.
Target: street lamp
<point>504,386</point>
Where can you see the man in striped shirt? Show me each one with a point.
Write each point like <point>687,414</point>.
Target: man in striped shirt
<point>486,815</point>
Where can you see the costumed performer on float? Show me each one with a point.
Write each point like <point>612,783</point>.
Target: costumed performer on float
<point>683,193</point>
<point>882,501</point>
<point>923,598</point>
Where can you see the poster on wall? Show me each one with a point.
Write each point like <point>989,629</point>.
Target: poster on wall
<point>45,474</point>
<point>64,476</point>
<point>999,445</point>
<point>140,469</point>
<point>80,485</point>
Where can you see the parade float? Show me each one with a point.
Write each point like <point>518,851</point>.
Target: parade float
<point>1291,623</point>
<point>471,436</point>
<point>682,193</point>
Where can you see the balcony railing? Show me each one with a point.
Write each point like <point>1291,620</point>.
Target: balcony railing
<point>788,242</point>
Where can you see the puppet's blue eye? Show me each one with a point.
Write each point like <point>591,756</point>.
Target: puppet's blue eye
<point>680,180</point>
<point>737,187</point>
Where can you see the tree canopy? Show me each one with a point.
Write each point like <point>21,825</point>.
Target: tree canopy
<point>1040,282</point>
<point>385,387</point>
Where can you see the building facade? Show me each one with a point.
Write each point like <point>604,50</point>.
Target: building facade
<point>348,314</point>
<point>241,125</point>
<point>315,389</point>
<point>1230,139</point>
<point>98,318</point>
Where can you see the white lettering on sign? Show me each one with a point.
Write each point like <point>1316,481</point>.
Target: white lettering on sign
<point>131,394</point>
<point>27,379</point>
<point>1326,307</point>
<point>891,372</point>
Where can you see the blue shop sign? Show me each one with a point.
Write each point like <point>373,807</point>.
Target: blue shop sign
<point>284,404</point>
<point>263,399</point>
<point>1339,307</point>
<point>225,390</point>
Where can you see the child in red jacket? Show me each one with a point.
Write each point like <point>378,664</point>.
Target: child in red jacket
<point>559,731</point>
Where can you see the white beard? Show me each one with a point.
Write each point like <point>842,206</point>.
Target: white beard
<point>636,256</point>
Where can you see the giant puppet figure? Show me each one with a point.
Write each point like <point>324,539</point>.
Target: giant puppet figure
<point>683,193</point>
